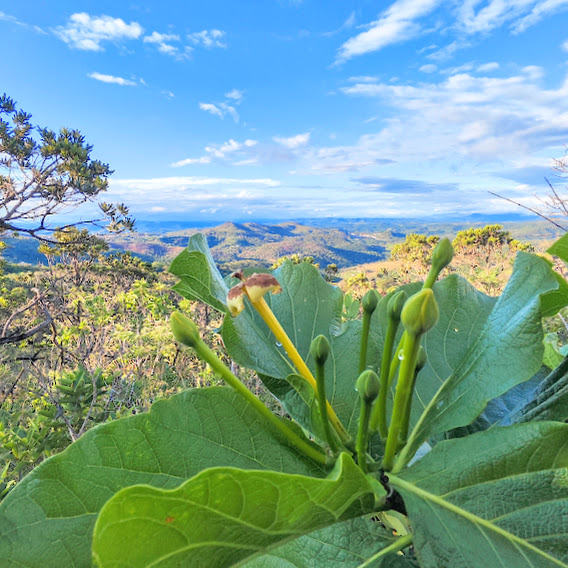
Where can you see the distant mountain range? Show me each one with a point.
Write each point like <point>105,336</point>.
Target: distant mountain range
<point>344,242</point>
<point>241,244</point>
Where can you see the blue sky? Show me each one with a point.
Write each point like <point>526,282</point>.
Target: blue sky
<point>282,109</point>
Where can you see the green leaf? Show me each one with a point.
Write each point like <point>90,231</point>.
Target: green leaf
<point>560,248</point>
<point>506,350</point>
<point>224,515</point>
<point>554,301</point>
<point>496,498</point>
<point>47,519</point>
<point>199,277</point>
<point>347,544</point>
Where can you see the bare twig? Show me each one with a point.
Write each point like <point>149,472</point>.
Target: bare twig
<point>529,209</point>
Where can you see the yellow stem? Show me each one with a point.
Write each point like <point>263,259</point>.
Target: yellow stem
<point>274,325</point>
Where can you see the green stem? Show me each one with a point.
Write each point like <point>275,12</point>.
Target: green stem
<point>395,361</point>
<point>363,435</point>
<point>379,414</point>
<point>322,405</point>
<point>406,420</point>
<point>364,341</point>
<point>207,355</point>
<point>403,393</point>
<point>396,546</point>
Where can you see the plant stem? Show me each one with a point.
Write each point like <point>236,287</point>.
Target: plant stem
<point>364,341</point>
<point>270,319</point>
<point>363,435</point>
<point>406,419</point>
<point>396,546</point>
<point>207,355</point>
<point>379,414</point>
<point>322,405</point>
<point>403,393</point>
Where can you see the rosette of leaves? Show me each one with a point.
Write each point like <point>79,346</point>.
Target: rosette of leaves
<point>204,480</point>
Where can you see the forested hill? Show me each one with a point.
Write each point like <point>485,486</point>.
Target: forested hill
<point>238,244</point>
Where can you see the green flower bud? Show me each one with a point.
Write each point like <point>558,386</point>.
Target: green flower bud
<point>370,301</point>
<point>395,305</point>
<point>421,360</point>
<point>368,385</point>
<point>442,255</point>
<point>420,313</point>
<point>320,349</point>
<point>184,330</point>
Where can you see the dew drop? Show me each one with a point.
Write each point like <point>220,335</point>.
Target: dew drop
<point>440,404</point>
<point>278,344</point>
<point>401,355</point>
<point>456,329</point>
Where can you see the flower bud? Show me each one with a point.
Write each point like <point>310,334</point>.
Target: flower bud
<point>442,255</point>
<point>184,330</point>
<point>258,284</point>
<point>320,349</point>
<point>395,305</point>
<point>368,385</point>
<point>370,301</point>
<point>420,312</point>
<point>235,299</point>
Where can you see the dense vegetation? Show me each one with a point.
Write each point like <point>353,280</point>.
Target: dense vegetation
<point>211,458</point>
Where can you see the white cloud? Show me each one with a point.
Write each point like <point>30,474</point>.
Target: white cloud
<point>565,45</point>
<point>217,151</point>
<point>538,12</point>
<point>492,66</point>
<point>220,109</point>
<point>521,14</point>
<point>185,182</point>
<point>428,68</point>
<point>235,95</point>
<point>164,45</point>
<point>293,142</point>
<point>191,161</point>
<point>208,38</point>
<point>465,117</point>
<point>88,32</point>
<point>112,79</point>
<point>396,24</point>
<point>212,109</point>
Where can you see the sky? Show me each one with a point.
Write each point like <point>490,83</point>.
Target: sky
<point>288,109</point>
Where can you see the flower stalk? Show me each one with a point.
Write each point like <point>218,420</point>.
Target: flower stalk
<point>370,301</point>
<point>186,332</point>
<point>368,388</point>
<point>320,352</point>
<point>420,314</point>
<point>379,413</point>
<point>254,287</point>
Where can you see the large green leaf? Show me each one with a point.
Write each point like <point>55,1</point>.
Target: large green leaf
<point>224,515</point>
<point>347,544</point>
<point>480,348</point>
<point>47,519</point>
<point>506,350</point>
<point>496,498</point>
<point>199,277</point>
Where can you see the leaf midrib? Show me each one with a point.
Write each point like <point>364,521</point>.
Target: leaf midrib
<point>437,500</point>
